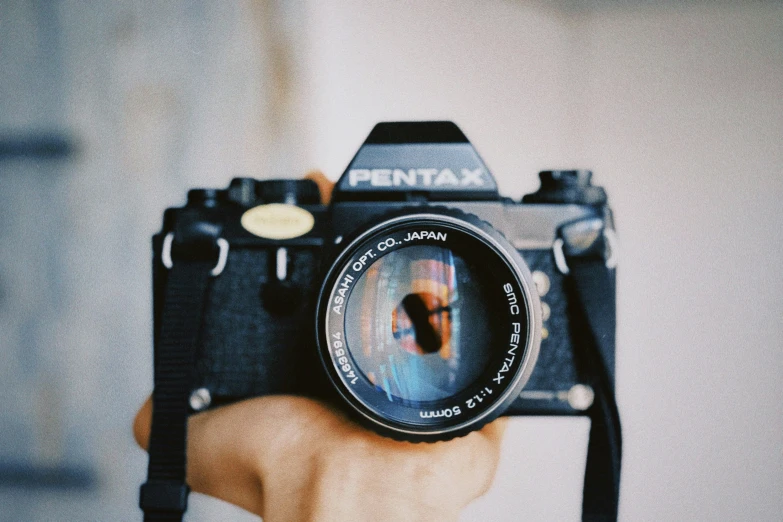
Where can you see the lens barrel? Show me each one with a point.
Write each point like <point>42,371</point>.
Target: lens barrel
<point>428,325</point>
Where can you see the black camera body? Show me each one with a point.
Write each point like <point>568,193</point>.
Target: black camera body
<point>419,301</point>
<point>282,257</point>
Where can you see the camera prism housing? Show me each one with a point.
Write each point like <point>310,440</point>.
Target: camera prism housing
<point>419,300</point>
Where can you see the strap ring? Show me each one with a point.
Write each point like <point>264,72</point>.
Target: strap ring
<point>560,262</point>
<point>611,252</point>
<point>165,255</point>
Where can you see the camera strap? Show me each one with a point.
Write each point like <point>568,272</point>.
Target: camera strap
<point>591,286</point>
<point>164,496</point>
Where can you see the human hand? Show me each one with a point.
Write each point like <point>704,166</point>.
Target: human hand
<point>295,459</point>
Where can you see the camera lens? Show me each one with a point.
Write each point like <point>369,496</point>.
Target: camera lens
<point>419,323</point>
<point>427,325</point>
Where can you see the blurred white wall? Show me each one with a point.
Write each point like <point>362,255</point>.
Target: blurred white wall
<point>684,117</point>
<point>157,97</point>
<point>677,106</point>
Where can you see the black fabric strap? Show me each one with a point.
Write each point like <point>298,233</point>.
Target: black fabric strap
<point>592,291</point>
<point>164,496</point>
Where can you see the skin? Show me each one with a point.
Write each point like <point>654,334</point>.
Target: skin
<point>289,458</point>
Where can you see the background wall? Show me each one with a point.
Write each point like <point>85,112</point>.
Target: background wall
<point>676,106</point>
<point>678,109</point>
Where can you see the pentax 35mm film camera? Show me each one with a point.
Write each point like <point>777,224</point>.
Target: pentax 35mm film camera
<point>420,301</point>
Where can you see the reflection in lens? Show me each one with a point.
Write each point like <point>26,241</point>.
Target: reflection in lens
<point>417,324</point>
<point>421,322</point>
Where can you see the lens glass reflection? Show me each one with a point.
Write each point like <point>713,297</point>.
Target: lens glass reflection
<point>418,324</point>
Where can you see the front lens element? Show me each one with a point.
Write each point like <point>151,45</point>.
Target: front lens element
<point>427,325</point>
<point>418,324</point>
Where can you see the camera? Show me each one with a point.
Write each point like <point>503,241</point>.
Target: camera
<point>420,300</point>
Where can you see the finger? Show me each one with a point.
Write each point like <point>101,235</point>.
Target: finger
<point>325,185</point>
<point>467,464</point>
<point>142,424</point>
<point>493,439</point>
<point>495,430</point>
<point>463,468</point>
